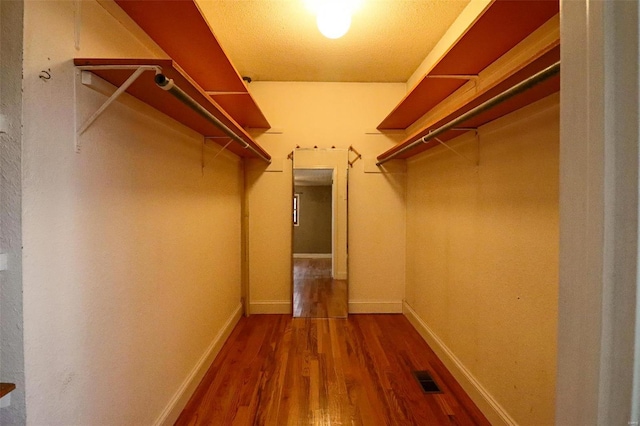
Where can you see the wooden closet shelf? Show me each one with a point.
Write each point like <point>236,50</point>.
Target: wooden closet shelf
<point>5,388</point>
<point>537,92</point>
<point>146,90</point>
<point>180,29</point>
<point>500,28</point>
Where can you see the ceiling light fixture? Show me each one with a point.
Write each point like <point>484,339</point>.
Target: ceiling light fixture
<point>333,16</point>
<point>333,22</point>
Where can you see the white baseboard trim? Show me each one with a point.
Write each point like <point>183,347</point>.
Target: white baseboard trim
<point>494,412</point>
<point>312,255</point>
<point>271,307</point>
<point>171,412</point>
<point>374,307</point>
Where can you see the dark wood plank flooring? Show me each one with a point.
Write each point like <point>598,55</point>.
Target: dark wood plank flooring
<point>315,293</point>
<point>278,370</point>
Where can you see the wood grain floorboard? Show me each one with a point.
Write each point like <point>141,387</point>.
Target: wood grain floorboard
<point>315,293</point>
<point>279,370</point>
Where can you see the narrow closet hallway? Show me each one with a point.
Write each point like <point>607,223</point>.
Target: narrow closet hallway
<point>484,215</point>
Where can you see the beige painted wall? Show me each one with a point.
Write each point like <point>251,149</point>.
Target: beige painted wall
<point>482,259</point>
<point>131,250</point>
<point>11,323</point>
<point>313,232</point>
<point>325,115</point>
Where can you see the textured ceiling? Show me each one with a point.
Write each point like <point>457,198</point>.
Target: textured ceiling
<point>277,40</point>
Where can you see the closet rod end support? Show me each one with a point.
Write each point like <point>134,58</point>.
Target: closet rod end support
<point>163,82</point>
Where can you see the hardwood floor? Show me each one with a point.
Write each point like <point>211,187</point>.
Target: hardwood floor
<point>279,370</point>
<point>315,293</point>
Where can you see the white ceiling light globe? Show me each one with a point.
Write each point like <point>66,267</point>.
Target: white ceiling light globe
<point>333,22</point>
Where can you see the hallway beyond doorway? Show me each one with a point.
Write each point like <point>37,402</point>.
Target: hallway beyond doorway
<point>316,294</point>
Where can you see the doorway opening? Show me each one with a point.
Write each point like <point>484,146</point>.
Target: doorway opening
<point>317,292</point>
<point>319,272</point>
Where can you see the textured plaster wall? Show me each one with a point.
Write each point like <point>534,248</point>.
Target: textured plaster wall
<point>313,233</point>
<point>132,250</point>
<point>11,327</point>
<point>326,115</point>
<point>482,256</point>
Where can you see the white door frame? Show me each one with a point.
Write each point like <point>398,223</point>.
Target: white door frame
<point>597,328</point>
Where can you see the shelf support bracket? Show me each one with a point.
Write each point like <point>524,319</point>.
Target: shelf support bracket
<point>137,72</point>
<point>455,76</point>
<point>476,135</point>
<point>358,156</point>
<point>204,142</point>
<point>458,153</point>
<point>213,93</point>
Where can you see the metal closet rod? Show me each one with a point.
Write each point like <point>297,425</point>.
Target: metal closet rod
<point>167,84</point>
<point>524,85</point>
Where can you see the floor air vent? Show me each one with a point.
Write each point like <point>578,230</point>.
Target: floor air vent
<point>426,382</point>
